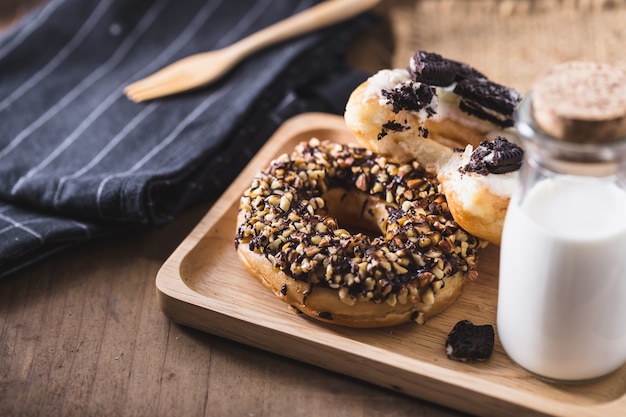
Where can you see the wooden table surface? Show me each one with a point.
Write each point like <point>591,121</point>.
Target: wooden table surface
<point>81,333</point>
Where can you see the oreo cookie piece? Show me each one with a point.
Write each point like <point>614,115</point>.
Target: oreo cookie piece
<point>495,157</point>
<point>412,97</point>
<point>391,126</point>
<point>470,343</point>
<point>433,69</point>
<point>487,100</point>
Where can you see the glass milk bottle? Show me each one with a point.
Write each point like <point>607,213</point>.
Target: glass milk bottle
<point>562,291</point>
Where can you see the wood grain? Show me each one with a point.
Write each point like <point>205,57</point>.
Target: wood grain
<point>82,333</point>
<point>203,285</point>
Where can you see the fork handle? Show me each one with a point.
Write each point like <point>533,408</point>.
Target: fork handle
<point>321,15</point>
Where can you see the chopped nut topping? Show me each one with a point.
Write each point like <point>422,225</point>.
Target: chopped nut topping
<point>287,220</point>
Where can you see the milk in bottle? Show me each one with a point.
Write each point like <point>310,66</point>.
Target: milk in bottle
<point>562,290</point>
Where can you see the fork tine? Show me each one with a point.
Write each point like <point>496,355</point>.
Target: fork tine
<point>177,77</point>
<point>161,83</point>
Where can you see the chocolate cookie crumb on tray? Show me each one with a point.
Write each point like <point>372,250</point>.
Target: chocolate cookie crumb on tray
<point>468,342</point>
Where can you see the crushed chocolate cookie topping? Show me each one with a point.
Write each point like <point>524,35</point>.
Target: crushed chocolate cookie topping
<point>433,69</point>
<point>286,220</point>
<point>468,342</point>
<point>391,126</point>
<point>412,97</point>
<point>495,157</point>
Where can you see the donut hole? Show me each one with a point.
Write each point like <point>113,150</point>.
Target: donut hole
<point>356,211</point>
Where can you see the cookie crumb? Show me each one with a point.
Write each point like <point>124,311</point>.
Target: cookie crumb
<point>468,342</point>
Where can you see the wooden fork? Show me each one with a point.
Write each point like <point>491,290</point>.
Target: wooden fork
<point>203,68</point>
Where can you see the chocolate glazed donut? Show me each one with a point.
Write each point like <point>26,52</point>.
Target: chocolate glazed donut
<point>406,259</point>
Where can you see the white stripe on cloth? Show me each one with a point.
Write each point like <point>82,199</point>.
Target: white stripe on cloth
<point>18,225</point>
<point>22,32</point>
<point>181,40</point>
<point>244,23</point>
<point>104,151</point>
<point>98,73</point>
<point>93,19</point>
<point>163,144</point>
<point>200,19</point>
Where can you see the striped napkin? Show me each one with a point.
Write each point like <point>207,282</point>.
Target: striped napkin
<point>79,160</point>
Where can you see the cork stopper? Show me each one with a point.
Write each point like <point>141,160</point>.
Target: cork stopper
<point>581,102</point>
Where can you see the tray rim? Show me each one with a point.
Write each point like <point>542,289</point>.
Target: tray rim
<point>471,393</point>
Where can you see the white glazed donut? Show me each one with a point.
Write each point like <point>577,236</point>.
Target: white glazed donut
<point>438,112</point>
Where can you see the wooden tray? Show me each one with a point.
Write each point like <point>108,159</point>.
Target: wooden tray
<point>203,285</point>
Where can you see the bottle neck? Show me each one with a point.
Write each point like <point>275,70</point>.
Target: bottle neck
<point>545,152</point>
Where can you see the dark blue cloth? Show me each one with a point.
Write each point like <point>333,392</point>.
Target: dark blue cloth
<point>79,160</point>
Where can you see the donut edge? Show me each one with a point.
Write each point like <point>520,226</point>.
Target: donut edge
<point>324,304</point>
